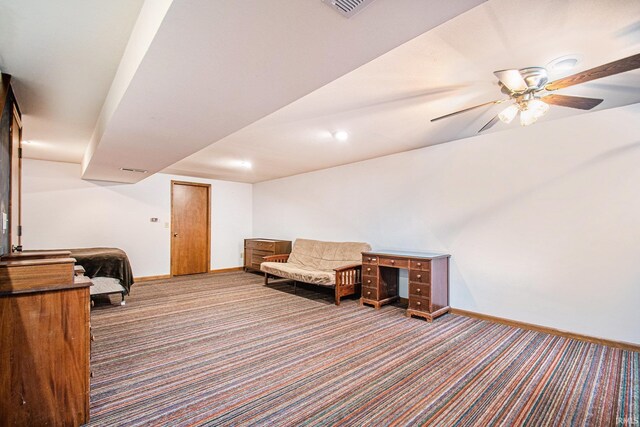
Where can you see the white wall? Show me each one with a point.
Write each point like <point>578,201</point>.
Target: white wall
<point>60,210</point>
<point>543,223</point>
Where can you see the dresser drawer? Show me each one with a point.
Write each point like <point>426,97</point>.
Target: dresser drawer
<point>257,259</point>
<point>370,281</point>
<point>369,270</point>
<point>420,264</point>
<point>393,262</point>
<point>370,259</point>
<point>420,290</point>
<point>370,293</point>
<point>419,276</point>
<point>419,303</point>
<point>261,244</point>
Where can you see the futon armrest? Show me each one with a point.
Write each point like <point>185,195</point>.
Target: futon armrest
<point>276,258</point>
<point>347,267</point>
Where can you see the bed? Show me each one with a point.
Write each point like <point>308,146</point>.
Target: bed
<point>108,268</point>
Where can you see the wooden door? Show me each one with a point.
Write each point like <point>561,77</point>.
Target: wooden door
<point>190,228</point>
<point>15,205</point>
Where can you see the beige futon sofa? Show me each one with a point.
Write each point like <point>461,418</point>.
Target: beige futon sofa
<point>333,264</point>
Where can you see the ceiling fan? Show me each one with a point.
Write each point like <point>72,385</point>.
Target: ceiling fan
<point>528,89</point>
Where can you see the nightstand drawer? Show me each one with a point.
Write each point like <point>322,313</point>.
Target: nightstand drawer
<point>393,262</point>
<point>419,276</point>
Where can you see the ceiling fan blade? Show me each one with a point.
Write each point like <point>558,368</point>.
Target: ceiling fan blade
<point>615,67</point>
<point>491,122</point>
<point>512,79</point>
<point>572,101</point>
<point>470,108</point>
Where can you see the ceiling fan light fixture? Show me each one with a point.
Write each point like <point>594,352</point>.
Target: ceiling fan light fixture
<point>539,107</point>
<point>508,114</point>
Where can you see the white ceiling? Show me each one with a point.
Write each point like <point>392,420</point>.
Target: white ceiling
<point>62,56</point>
<point>267,82</point>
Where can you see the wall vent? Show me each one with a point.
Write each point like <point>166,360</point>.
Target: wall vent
<point>347,8</point>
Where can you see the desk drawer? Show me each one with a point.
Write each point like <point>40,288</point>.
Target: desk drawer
<point>419,304</point>
<point>261,244</point>
<point>420,264</point>
<point>370,293</point>
<point>419,276</point>
<point>369,270</point>
<point>420,290</point>
<point>393,262</point>
<point>370,281</point>
<point>370,259</point>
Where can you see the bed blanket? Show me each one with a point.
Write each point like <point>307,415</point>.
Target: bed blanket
<point>105,262</point>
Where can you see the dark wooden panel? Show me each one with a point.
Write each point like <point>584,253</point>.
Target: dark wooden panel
<point>387,283</point>
<point>6,117</point>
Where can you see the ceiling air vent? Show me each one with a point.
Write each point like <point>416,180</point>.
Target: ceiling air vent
<point>348,8</point>
<point>134,170</point>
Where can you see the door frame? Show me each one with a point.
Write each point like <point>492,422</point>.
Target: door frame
<point>15,200</point>
<point>194,184</point>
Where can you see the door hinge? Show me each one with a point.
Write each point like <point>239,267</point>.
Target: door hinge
<point>20,231</point>
<point>20,152</point>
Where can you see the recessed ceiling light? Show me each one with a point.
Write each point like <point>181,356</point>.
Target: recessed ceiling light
<point>244,164</point>
<point>341,135</point>
<point>564,63</point>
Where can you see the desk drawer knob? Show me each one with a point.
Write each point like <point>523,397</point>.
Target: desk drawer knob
<point>418,303</point>
<point>419,264</point>
<point>419,276</point>
<point>393,261</point>
<point>368,281</point>
<point>368,293</point>
<point>418,290</point>
<point>368,269</point>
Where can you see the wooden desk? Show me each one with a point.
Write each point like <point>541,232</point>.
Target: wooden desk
<point>428,281</point>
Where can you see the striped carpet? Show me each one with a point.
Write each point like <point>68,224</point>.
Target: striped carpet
<point>226,350</point>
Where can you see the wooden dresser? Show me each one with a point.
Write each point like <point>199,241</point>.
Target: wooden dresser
<point>428,281</point>
<point>256,249</point>
<point>44,342</point>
